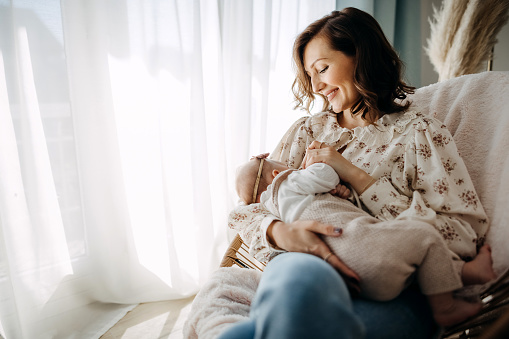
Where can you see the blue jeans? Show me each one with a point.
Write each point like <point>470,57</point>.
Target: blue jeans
<point>300,296</point>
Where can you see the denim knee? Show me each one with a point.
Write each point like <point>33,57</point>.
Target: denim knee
<point>302,296</point>
<point>241,330</point>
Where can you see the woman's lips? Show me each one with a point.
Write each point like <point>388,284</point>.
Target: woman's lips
<point>331,95</point>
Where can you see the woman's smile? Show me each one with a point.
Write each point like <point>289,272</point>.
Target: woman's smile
<point>331,95</point>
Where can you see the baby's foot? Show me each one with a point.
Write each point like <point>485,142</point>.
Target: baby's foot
<point>448,311</point>
<point>479,270</point>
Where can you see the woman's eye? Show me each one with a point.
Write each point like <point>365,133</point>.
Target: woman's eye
<point>324,69</point>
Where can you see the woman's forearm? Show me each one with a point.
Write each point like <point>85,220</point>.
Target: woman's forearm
<point>355,176</point>
<point>270,233</point>
<point>361,181</point>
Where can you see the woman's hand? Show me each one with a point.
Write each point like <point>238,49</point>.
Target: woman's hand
<point>318,152</point>
<point>303,236</point>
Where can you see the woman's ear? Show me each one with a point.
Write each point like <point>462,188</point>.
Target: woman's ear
<point>275,173</point>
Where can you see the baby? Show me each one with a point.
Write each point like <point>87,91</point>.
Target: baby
<point>387,255</point>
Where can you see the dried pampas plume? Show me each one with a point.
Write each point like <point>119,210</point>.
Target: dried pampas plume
<point>463,34</point>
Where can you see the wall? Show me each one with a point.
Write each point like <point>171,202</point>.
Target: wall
<point>428,74</point>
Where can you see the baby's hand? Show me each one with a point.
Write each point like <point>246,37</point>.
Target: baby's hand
<point>340,191</point>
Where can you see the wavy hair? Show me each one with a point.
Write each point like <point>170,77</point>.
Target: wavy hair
<point>378,69</point>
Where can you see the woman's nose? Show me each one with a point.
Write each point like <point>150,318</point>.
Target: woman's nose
<point>316,84</point>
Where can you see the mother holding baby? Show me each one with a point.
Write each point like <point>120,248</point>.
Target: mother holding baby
<point>402,164</point>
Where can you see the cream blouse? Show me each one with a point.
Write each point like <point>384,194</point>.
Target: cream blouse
<point>418,170</point>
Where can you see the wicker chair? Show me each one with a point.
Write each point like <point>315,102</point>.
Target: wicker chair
<point>237,254</point>
<point>491,323</point>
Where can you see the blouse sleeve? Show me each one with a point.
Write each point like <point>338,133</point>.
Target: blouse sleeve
<point>252,221</point>
<point>292,147</point>
<point>433,186</point>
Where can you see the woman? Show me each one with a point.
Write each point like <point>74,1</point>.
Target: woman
<point>406,166</point>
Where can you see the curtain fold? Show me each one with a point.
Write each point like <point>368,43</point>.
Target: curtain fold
<point>121,126</point>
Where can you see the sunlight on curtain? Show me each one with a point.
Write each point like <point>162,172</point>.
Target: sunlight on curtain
<point>259,74</point>
<point>121,126</point>
<point>36,246</point>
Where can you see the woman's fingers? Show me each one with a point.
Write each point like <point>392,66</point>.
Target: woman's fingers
<point>351,278</point>
<point>304,236</point>
<point>340,266</point>
<point>347,171</point>
<point>320,153</point>
<point>323,251</point>
<point>325,229</point>
<point>315,145</point>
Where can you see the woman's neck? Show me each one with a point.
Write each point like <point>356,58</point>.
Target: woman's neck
<point>347,120</point>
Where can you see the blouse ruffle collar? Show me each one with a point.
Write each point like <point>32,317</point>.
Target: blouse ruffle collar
<point>326,128</point>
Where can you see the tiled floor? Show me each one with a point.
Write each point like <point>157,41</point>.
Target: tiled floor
<point>158,320</point>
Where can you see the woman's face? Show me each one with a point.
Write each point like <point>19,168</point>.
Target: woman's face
<point>332,74</point>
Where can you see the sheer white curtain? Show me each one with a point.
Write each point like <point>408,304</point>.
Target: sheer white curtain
<point>121,125</point>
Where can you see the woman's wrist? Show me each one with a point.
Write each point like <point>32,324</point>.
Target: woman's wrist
<point>368,185</point>
<point>362,182</point>
<point>270,233</point>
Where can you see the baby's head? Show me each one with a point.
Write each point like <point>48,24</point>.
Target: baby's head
<point>254,176</point>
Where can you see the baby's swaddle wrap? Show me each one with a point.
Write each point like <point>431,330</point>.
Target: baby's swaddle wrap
<point>385,254</point>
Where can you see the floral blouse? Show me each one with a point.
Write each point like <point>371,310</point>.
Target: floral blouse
<point>418,170</point>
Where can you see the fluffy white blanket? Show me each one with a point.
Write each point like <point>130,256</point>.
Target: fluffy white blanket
<point>476,110</point>
<point>225,299</point>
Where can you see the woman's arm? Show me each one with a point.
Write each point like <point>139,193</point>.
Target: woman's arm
<point>428,181</point>
<point>433,185</point>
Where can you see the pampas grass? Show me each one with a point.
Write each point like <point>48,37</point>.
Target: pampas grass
<point>463,33</point>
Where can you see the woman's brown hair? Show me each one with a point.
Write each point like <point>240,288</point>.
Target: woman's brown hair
<point>378,69</point>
